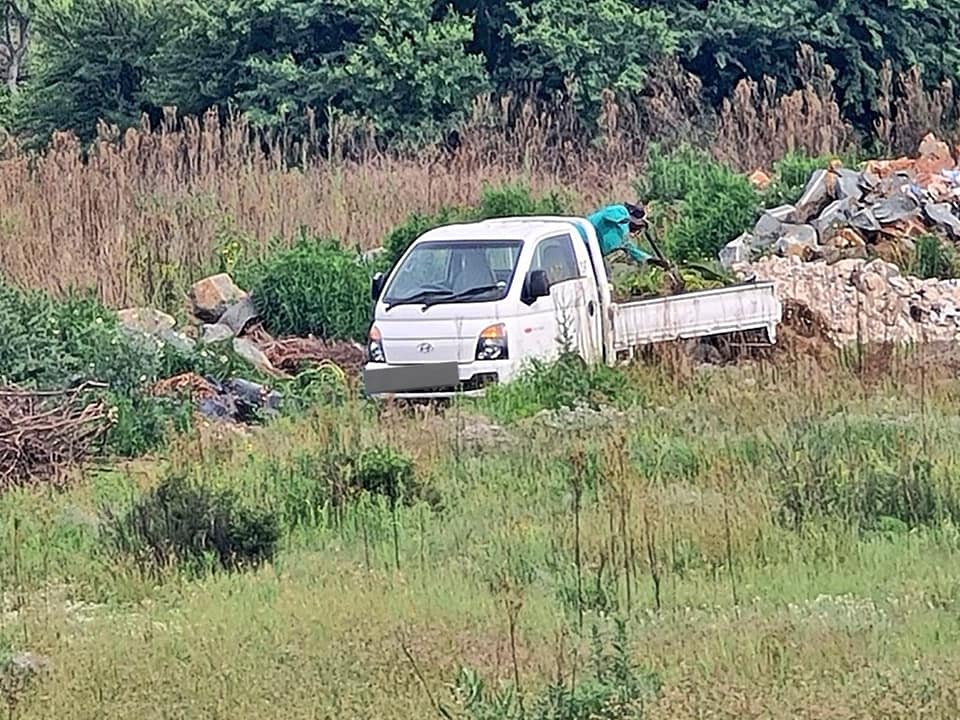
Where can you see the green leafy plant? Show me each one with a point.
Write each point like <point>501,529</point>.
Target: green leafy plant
<point>614,688</point>
<point>565,383</point>
<point>315,287</point>
<point>192,525</point>
<point>934,258</point>
<point>791,174</point>
<point>699,204</point>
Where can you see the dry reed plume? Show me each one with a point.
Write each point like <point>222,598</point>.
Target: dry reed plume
<point>141,213</point>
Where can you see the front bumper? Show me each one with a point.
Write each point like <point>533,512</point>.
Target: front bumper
<point>431,380</point>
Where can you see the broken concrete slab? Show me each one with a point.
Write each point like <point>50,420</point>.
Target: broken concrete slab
<point>767,230</point>
<point>868,181</point>
<point>816,196</point>
<point>736,251</point>
<point>797,241</point>
<point>836,213</point>
<point>847,184</point>
<point>865,222</point>
<point>239,315</point>
<point>895,208</point>
<point>943,217</point>
<point>211,297</point>
<point>783,213</point>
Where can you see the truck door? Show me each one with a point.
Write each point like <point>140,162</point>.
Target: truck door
<point>573,294</point>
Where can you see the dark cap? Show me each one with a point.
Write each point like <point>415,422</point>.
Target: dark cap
<point>638,216</point>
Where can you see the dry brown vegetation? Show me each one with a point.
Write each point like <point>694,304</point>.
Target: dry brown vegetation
<point>142,212</point>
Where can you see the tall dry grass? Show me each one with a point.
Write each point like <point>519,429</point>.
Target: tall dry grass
<point>139,215</point>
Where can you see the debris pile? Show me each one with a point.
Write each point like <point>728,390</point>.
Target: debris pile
<point>223,315</point>
<point>43,432</point>
<point>866,301</point>
<point>840,250</point>
<point>877,211</point>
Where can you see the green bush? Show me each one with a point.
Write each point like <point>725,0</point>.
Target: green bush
<point>699,204</point>
<point>610,688</point>
<point>564,383</point>
<point>791,174</point>
<point>314,288</point>
<point>191,525</point>
<point>864,471</point>
<point>935,258</point>
<point>145,422</point>
<point>507,200</point>
<point>54,344</point>
<point>338,478</point>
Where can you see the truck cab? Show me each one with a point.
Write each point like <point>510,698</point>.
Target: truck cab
<point>469,305</point>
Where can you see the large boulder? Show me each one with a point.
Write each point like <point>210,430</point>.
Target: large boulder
<point>211,297</point>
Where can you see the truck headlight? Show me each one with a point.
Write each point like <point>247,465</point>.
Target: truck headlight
<point>375,346</point>
<point>492,344</point>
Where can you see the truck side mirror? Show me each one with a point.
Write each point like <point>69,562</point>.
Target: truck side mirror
<point>376,286</point>
<point>538,284</point>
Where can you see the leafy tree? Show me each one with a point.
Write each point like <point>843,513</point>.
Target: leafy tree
<point>601,44</point>
<point>14,39</point>
<point>388,61</point>
<point>90,62</point>
<point>724,41</point>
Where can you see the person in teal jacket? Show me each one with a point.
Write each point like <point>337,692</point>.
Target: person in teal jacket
<point>613,225</point>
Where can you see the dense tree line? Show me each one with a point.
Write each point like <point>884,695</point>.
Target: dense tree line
<point>413,67</point>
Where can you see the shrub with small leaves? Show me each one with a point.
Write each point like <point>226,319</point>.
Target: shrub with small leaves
<point>697,203</point>
<point>791,174</point>
<point>192,525</point>
<point>564,383</point>
<point>315,287</point>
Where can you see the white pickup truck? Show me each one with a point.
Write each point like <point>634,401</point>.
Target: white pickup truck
<point>471,304</point>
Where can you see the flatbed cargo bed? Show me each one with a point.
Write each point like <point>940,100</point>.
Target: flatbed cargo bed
<point>699,313</point>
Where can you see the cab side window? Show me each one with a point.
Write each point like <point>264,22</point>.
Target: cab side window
<point>557,257</point>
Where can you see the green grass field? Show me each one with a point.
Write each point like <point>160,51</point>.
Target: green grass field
<point>744,542</point>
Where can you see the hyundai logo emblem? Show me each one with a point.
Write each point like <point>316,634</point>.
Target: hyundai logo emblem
<point>425,347</point>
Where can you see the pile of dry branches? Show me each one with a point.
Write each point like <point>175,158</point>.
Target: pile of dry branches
<point>44,433</point>
<point>292,353</point>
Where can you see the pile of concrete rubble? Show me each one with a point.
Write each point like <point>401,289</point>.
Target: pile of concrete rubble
<point>841,247</point>
<point>866,301</point>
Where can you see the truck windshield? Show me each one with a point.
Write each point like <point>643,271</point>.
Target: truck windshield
<point>454,271</point>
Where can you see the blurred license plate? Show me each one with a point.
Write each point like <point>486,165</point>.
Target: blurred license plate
<point>411,378</point>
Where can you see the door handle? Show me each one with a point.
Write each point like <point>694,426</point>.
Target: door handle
<point>590,308</point>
